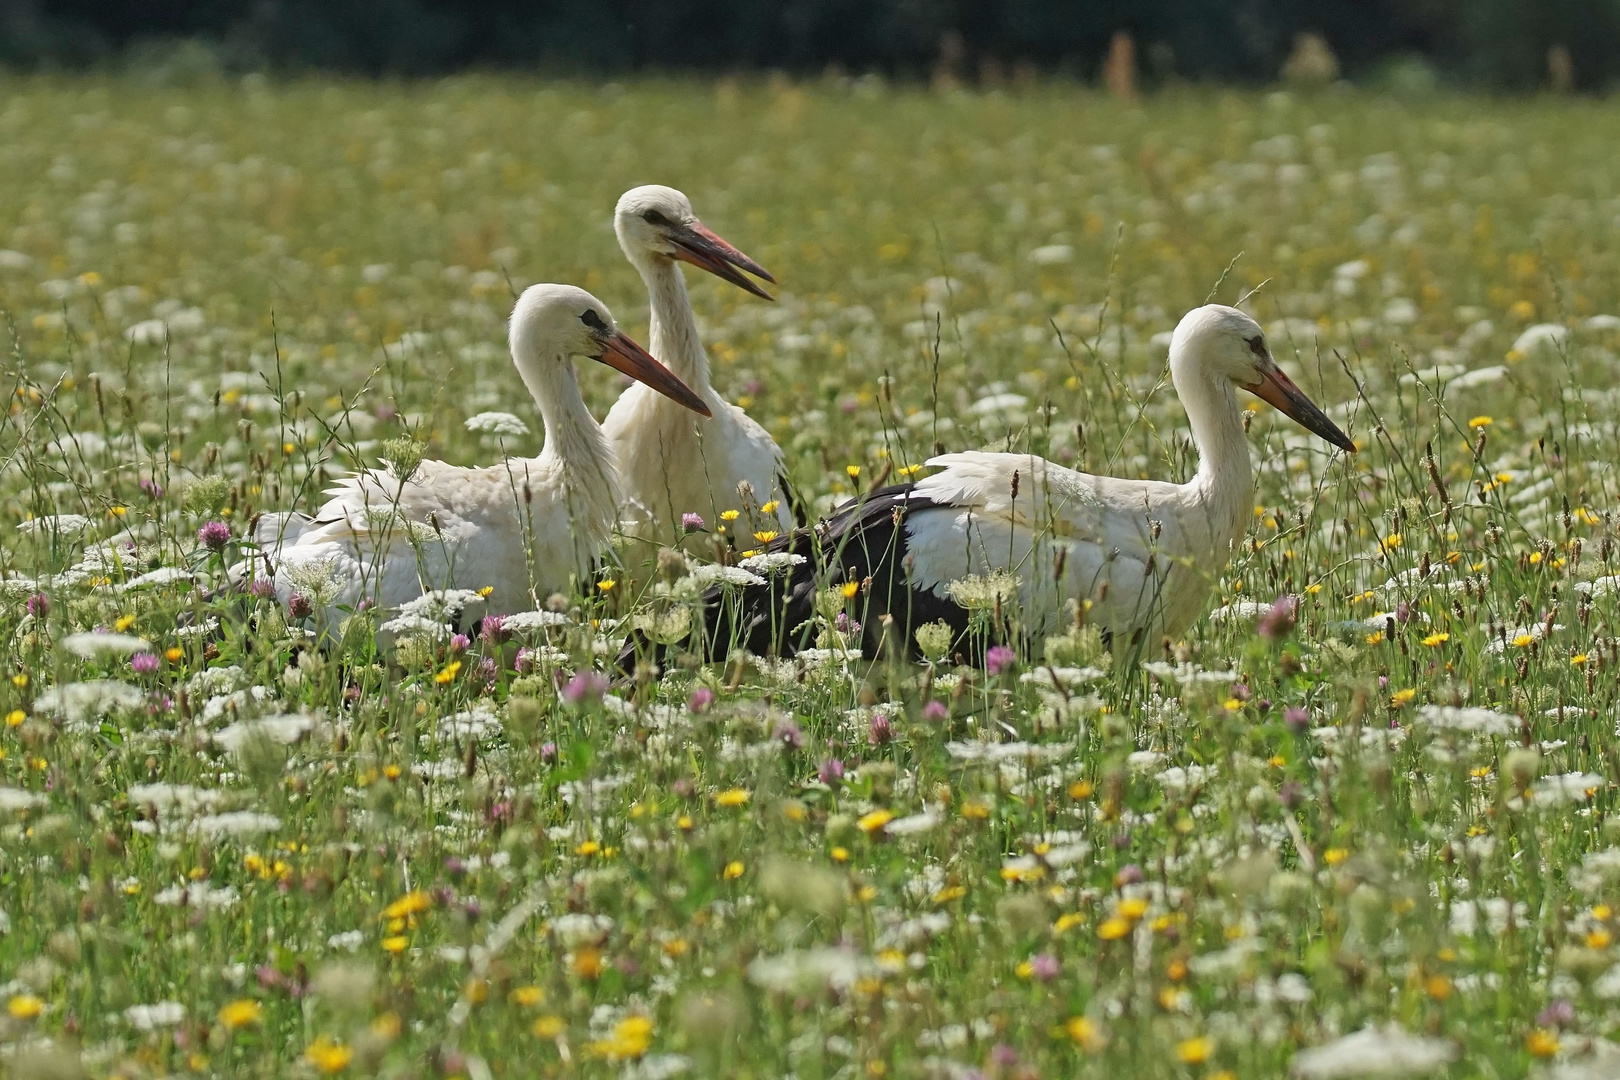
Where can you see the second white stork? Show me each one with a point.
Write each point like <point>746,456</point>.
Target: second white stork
<point>521,529</point>
<point>673,463</point>
<point>1143,553</point>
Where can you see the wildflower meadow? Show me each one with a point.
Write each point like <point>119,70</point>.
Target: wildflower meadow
<point>1354,823</point>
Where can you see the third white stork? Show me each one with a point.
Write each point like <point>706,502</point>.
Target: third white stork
<point>1145,553</point>
<point>673,463</point>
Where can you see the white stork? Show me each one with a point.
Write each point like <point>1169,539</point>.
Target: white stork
<point>1145,553</point>
<point>523,529</point>
<point>673,463</point>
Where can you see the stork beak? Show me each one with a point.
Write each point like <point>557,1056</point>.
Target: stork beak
<point>1281,392</point>
<point>622,354</point>
<point>697,244</point>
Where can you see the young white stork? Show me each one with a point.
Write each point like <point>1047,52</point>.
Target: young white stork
<point>1144,552</point>
<point>673,463</point>
<point>524,528</point>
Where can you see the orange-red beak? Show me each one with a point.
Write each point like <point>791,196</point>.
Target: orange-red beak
<point>697,244</point>
<point>1287,398</point>
<point>623,354</point>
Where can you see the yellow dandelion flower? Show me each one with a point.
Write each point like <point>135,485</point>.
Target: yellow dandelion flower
<point>412,903</point>
<point>735,797</point>
<point>1577,660</point>
<point>734,870</point>
<point>839,854</point>
<point>909,470</point>
<point>1086,1033</point>
<point>1133,908</point>
<point>527,996</point>
<point>606,584</point>
<point>1375,638</point>
<point>486,591</point>
<point>1402,697</point>
<point>1601,912</point>
<point>448,672</point>
<point>871,823</point>
<point>587,847</point>
<point>1081,789</point>
<point>24,1006</point>
<point>1541,1043</point>
<point>765,536</point>
<point>850,588</point>
<point>1333,856</point>
<point>1392,541</point>
<point>174,654</point>
<point>1523,641</point>
<point>327,1056</point>
<point>1439,987</point>
<point>1068,922</point>
<point>124,622</point>
<point>1113,928</point>
<point>395,945</point>
<point>1439,638</point>
<point>1480,421</point>
<point>15,717</point>
<point>730,515</point>
<point>770,507</point>
<point>975,809</point>
<point>548,1027</point>
<point>1599,939</point>
<point>1195,1051</point>
<point>949,893</point>
<point>852,471</point>
<point>240,1013</point>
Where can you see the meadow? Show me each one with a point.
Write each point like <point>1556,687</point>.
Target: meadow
<point>1368,839</point>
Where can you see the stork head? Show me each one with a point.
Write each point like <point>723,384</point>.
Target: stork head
<point>1218,342</point>
<point>657,222</point>
<point>553,323</point>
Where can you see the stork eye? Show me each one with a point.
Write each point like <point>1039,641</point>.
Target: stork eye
<point>1257,345</point>
<point>592,320</point>
<point>653,217</point>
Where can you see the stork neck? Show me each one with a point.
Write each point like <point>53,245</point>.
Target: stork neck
<point>672,335</point>
<point>1224,479</point>
<point>575,444</point>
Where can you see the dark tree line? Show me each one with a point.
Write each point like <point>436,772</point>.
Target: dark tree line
<point>1500,43</point>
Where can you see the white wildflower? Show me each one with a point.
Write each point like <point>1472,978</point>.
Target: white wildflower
<point>82,702</point>
<point>420,625</point>
<point>914,823</point>
<point>283,730</point>
<point>443,605</point>
<point>714,574</point>
<point>151,1017</point>
<point>91,646</point>
<point>238,823</point>
<point>1472,721</point>
<point>197,894</point>
<point>772,562</point>
<point>348,940</point>
<point>1566,788</point>
<point>182,797</point>
<point>580,928</point>
<point>806,970</point>
<point>56,523</point>
<point>1178,778</point>
<point>497,423</point>
<point>1389,1051</point>
<point>17,799</point>
<point>163,575</point>
<point>527,622</point>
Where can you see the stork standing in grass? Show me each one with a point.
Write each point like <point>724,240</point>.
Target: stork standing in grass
<point>674,463</point>
<point>521,529</point>
<point>1143,554</point>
